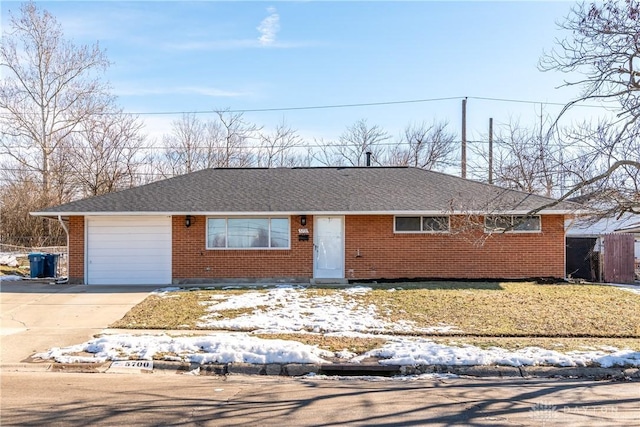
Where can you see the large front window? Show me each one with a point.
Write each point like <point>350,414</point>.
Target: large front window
<point>248,233</point>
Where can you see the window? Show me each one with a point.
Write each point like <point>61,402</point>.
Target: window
<point>247,233</point>
<point>512,223</point>
<point>421,224</point>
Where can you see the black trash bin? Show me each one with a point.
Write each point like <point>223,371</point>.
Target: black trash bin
<point>36,264</point>
<point>51,265</point>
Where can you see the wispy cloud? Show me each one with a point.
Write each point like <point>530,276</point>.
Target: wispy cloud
<point>269,28</point>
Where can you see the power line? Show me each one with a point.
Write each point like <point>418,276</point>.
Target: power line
<point>351,105</point>
<point>366,104</point>
<point>524,101</point>
<point>308,107</point>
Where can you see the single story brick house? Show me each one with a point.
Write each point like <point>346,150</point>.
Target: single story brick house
<point>311,224</point>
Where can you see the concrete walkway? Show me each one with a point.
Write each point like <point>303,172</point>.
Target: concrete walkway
<point>38,316</point>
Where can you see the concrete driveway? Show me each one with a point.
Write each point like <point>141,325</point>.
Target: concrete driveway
<point>37,316</point>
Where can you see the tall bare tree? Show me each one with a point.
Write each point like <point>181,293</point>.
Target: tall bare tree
<point>526,159</point>
<point>105,155</point>
<point>237,137</point>
<point>278,148</point>
<point>227,140</point>
<point>49,87</point>
<point>359,139</point>
<point>425,146</point>
<point>184,147</point>
<point>61,134</point>
<point>324,152</point>
<point>605,173</point>
<point>603,47</point>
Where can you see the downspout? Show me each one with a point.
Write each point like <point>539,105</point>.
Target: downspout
<point>66,231</point>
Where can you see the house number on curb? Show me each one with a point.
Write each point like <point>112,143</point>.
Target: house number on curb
<point>133,364</point>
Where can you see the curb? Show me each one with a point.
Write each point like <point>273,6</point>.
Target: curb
<point>26,367</point>
<point>337,369</point>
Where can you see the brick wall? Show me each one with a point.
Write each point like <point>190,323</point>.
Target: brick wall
<point>372,251</point>
<point>76,249</point>
<point>384,254</point>
<point>191,259</point>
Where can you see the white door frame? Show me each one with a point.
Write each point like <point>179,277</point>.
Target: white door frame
<point>316,243</point>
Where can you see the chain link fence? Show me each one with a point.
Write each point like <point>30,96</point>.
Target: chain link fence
<point>21,254</point>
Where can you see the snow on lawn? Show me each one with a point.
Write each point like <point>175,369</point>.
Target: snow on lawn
<point>420,351</point>
<point>632,289</point>
<point>288,309</point>
<point>242,347</point>
<point>8,259</point>
<point>214,348</point>
<point>11,278</point>
<point>291,309</point>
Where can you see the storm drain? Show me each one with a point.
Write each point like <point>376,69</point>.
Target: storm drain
<point>359,370</point>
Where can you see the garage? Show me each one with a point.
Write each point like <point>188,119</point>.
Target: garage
<point>128,250</point>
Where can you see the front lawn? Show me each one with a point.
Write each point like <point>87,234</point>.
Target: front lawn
<point>520,309</point>
<point>510,314</point>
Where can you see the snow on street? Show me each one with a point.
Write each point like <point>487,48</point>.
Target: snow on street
<point>287,309</point>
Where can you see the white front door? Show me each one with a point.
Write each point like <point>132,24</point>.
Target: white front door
<point>328,247</point>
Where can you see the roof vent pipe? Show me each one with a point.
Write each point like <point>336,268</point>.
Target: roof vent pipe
<point>368,153</point>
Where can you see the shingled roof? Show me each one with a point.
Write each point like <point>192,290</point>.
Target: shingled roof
<point>316,190</point>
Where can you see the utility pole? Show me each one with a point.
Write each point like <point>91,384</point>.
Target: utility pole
<point>491,150</point>
<point>463,162</point>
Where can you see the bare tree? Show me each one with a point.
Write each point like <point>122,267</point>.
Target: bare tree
<point>49,87</point>
<point>606,172</point>
<point>237,135</point>
<point>20,194</point>
<point>604,47</point>
<point>357,140</point>
<point>424,146</point>
<point>278,148</point>
<point>526,159</point>
<point>324,152</point>
<point>184,147</point>
<point>104,156</point>
<point>193,144</point>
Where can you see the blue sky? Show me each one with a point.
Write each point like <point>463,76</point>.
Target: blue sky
<point>206,55</point>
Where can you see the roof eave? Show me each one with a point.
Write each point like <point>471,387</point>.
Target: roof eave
<point>302,212</point>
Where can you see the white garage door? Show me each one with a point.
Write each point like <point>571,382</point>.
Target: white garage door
<point>131,250</point>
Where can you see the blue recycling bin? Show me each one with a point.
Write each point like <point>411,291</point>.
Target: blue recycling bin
<point>36,264</point>
<point>51,265</point>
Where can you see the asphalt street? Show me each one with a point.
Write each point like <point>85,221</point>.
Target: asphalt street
<point>70,399</point>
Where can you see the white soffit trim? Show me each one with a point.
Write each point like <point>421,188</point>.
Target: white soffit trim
<point>272,213</point>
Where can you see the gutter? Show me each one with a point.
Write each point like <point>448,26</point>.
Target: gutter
<point>66,231</point>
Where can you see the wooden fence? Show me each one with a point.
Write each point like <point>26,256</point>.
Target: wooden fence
<point>618,265</point>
